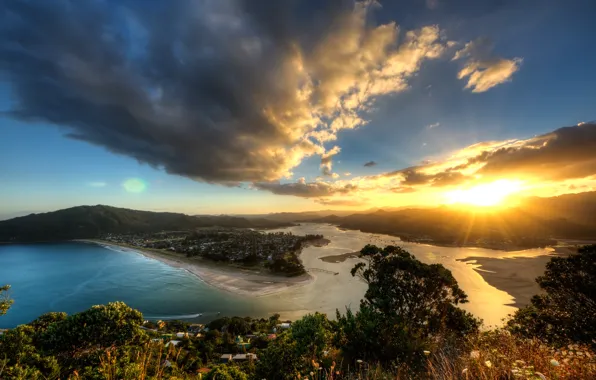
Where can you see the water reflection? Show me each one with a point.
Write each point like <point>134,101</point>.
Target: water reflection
<point>328,292</point>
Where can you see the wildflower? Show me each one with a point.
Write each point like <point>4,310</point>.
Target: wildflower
<point>475,354</point>
<point>540,375</point>
<point>312,373</point>
<point>464,371</point>
<point>554,363</point>
<point>359,361</point>
<point>426,352</point>
<point>488,363</point>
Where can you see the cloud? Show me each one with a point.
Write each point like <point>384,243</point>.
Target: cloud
<point>482,69</point>
<point>403,189</point>
<point>97,184</point>
<point>304,189</point>
<point>564,154</point>
<point>433,125</point>
<point>342,202</point>
<point>219,91</point>
<point>327,164</point>
<point>370,164</point>
<point>347,174</point>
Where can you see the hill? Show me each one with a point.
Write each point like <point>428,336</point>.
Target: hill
<point>535,223</point>
<point>85,222</point>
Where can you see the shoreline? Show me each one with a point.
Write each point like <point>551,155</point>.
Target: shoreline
<point>244,282</point>
<point>515,275</point>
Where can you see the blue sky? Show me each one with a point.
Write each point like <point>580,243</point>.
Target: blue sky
<point>42,169</point>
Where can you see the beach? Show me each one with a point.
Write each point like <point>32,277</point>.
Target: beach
<point>241,281</point>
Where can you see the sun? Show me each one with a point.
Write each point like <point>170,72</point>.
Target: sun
<point>484,195</point>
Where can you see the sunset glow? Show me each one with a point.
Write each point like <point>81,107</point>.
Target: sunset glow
<point>489,194</point>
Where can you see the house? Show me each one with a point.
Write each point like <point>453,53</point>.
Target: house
<point>244,357</point>
<point>181,335</point>
<point>195,328</point>
<point>241,344</point>
<point>225,358</point>
<point>285,325</point>
<point>173,343</point>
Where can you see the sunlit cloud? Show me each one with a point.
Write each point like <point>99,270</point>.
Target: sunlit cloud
<point>482,69</point>
<point>433,125</point>
<point>558,162</point>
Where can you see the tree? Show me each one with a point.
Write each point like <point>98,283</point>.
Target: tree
<point>5,301</point>
<point>406,309</point>
<point>280,360</point>
<point>226,372</point>
<point>566,312</point>
<point>313,335</point>
<point>100,326</point>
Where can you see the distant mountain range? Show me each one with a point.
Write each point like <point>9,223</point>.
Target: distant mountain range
<point>531,224</point>
<point>310,215</point>
<point>92,221</point>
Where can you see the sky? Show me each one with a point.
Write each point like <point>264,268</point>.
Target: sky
<point>250,107</point>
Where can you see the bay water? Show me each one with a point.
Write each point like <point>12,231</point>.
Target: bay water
<point>73,276</point>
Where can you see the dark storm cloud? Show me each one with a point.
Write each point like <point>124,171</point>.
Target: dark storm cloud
<point>221,91</point>
<point>370,164</point>
<point>305,189</point>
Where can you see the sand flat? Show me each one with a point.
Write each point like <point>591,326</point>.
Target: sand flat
<point>514,275</point>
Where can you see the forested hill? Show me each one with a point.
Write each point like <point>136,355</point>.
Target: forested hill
<point>84,222</point>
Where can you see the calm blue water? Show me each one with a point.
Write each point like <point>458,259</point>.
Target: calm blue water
<point>71,277</point>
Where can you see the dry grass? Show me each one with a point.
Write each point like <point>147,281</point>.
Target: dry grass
<point>499,355</point>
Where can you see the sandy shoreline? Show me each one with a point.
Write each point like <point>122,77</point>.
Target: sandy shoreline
<point>240,281</point>
<point>515,275</point>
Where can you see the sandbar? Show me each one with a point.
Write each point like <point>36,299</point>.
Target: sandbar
<point>515,275</point>
<point>340,258</point>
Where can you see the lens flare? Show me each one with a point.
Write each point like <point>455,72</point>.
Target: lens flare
<point>134,185</point>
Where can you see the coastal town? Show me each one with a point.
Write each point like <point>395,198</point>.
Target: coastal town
<point>277,252</point>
